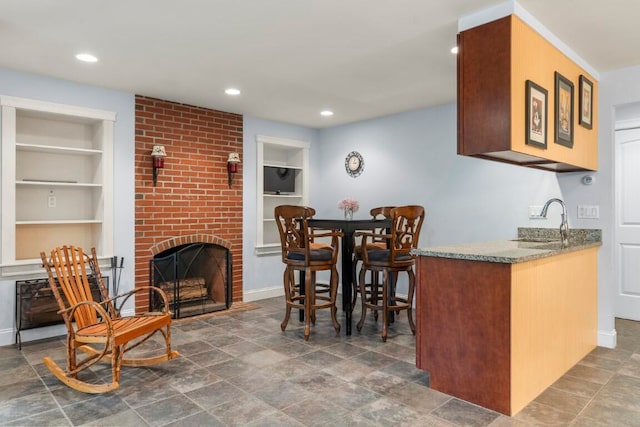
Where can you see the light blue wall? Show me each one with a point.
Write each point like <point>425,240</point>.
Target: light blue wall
<point>410,158</point>
<point>615,88</point>
<point>262,275</point>
<point>53,90</point>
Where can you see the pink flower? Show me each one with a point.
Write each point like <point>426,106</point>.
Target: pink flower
<point>349,204</point>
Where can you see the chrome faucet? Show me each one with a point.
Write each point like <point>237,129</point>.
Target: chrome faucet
<point>564,225</point>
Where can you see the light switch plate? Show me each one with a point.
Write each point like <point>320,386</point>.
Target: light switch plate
<point>588,211</point>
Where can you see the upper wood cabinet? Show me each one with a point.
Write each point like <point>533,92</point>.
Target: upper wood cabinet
<point>494,62</point>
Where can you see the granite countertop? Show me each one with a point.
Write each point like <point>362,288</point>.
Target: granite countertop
<point>531,244</point>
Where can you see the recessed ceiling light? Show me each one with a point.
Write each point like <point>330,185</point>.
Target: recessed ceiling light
<point>326,113</point>
<point>454,50</point>
<point>86,57</point>
<point>232,91</point>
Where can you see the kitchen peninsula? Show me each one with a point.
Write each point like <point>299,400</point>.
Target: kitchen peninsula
<point>499,322</point>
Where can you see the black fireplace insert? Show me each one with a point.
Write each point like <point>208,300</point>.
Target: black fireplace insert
<point>196,277</point>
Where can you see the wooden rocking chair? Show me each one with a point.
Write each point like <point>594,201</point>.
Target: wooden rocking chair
<point>96,328</point>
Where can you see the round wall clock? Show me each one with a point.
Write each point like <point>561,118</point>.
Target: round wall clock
<point>354,164</point>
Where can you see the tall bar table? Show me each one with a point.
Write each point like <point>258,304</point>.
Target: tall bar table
<point>348,228</point>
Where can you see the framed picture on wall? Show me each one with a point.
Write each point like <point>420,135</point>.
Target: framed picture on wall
<point>536,115</point>
<point>563,114</point>
<point>585,103</point>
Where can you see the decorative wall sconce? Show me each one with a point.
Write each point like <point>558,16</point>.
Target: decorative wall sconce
<point>158,153</point>
<point>232,165</point>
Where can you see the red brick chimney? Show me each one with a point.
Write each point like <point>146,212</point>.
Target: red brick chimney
<point>192,195</point>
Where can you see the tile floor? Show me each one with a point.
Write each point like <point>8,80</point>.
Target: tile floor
<point>239,369</point>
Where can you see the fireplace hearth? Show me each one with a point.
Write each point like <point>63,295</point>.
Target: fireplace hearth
<point>196,278</point>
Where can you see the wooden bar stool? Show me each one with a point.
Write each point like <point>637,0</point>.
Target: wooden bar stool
<point>301,252</point>
<point>373,288</point>
<point>396,258</point>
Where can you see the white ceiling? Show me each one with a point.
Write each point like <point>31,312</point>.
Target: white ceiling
<point>291,58</point>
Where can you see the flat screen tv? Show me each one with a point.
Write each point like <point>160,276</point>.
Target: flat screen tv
<point>279,180</point>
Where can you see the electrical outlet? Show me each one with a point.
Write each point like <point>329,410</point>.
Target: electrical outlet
<point>51,201</point>
<point>534,212</point>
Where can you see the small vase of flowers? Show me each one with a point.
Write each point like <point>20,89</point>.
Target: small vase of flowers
<point>349,206</point>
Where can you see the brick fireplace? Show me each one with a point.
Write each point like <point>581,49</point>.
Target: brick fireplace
<point>195,273</point>
<point>192,196</point>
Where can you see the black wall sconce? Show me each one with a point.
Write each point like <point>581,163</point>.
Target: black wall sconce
<point>232,165</point>
<point>158,153</point>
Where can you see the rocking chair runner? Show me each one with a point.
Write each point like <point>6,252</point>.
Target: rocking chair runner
<point>98,323</point>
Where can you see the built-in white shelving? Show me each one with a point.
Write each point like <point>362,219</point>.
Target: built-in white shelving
<point>57,178</point>
<point>286,153</point>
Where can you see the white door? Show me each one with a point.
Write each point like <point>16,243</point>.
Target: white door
<point>627,217</point>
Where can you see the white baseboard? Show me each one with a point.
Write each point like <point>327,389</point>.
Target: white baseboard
<point>278,291</point>
<point>608,339</point>
<point>127,312</point>
<point>8,336</point>
<point>259,294</point>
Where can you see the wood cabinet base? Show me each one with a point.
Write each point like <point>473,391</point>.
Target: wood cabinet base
<point>498,335</point>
